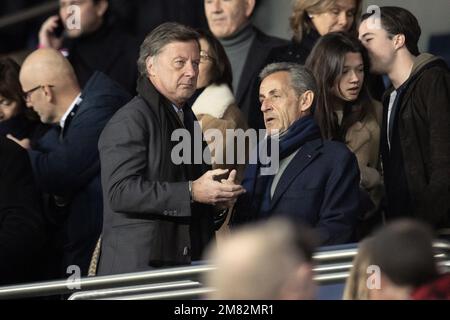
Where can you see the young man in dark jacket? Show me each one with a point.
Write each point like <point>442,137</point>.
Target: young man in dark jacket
<point>415,141</point>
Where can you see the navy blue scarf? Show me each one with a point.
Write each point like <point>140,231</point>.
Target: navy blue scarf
<point>258,186</point>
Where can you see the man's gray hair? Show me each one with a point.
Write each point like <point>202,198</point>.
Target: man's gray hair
<point>161,36</point>
<point>302,78</point>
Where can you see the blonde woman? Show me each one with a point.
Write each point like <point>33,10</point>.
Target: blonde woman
<point>356,286</point>
<point>312,19</point>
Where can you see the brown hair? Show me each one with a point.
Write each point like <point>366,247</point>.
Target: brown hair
<point>396,20</point>
<point>301,22</point>
<point>326,61</point>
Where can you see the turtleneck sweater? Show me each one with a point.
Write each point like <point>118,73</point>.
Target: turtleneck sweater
<point>237,47</point>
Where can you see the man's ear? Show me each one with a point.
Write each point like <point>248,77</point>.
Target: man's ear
<point>249,7</point>
<point>101,8</point>
<point>48,93</point>
<point>306,100</point>
<point>150,66</point>
<point>399,41</point>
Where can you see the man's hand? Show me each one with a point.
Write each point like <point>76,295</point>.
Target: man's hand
<point>47,38</point>
<point>24,143</point>
<point>207,190</point>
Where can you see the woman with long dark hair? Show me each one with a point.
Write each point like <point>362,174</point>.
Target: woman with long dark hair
<point>345,110</point>
<point>15,118</point>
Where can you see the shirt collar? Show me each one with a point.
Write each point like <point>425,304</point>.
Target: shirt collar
<point>76,101</point>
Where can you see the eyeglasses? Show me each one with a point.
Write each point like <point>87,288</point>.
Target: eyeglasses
<point>204,56</point>
<point>27,94</point>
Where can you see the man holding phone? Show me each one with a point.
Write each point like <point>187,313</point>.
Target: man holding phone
<point>83,32</point>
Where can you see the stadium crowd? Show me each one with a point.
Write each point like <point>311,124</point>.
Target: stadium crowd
<point>121,151</point>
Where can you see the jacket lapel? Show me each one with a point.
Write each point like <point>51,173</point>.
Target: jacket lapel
<point>301,161</point>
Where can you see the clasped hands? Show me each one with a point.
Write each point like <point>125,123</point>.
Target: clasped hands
<point>210,189</point>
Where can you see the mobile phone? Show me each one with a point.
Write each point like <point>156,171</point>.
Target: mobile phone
<point>58,31</point>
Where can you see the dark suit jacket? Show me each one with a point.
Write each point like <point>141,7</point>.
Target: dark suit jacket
<point>247,95</point>
<point>319,188</point>
<point>149,220</point>
<point>22,232</point>
<point>68,166</point>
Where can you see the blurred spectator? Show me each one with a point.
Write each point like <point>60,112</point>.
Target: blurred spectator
<point>312,19</point>
<point>266,261</point>
<point>65,161</point>
<point>22,231</point>
<point>346,112</point>
<point>95,45</point>
<point>415,135</point>
<point>316,182</point>
<point>403,250</point>
<point>15,118</point>
<point>436,290</point>
<point>247,48</point>
<point>158,209</point>
<point>356,287</point>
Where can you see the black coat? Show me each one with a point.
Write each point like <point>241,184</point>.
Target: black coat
<point>22,232</point>
<point>319,188</point>
<point>421,144</point>
<point>247,95</point>
<point>108,50</point>
<point>67,165</point>
<point>149,220</point>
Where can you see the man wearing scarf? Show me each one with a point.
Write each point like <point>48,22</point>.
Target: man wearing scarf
<point>317,182</point>
<point>157,212</point>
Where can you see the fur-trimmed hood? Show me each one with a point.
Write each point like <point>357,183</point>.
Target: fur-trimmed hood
<point>214,101</point>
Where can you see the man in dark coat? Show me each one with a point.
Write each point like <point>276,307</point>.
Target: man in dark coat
<point>93,45</point>
<point>248,49</point>
<point>316,182</point>
<point>157,209</point>
<point>22,232</point>
<point>66,161</point>
<point>415,136</point>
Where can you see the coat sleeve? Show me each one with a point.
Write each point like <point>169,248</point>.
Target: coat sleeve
<point>340,208</point>
<point>434,200</point>
<point>63,167</point>
<point>124,160</point>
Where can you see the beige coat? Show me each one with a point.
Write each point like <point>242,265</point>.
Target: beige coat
<point>215,108</point>
<point>363,139</point>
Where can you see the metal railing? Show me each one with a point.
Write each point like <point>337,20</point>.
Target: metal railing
<point>332,266</point>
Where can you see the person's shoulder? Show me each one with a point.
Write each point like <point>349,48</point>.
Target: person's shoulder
<point>336,150</point>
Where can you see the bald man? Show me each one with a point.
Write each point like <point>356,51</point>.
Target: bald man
<point>66,161</point>
<point>266,261</point>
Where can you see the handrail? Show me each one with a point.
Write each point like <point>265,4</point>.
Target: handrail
<point>28,14</point>
<point>143,289</point>
<point>324,272</point>
<point>63,286</point>
<point>182,294</point>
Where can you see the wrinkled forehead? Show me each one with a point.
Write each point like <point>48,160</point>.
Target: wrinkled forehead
<point>180,48</point>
